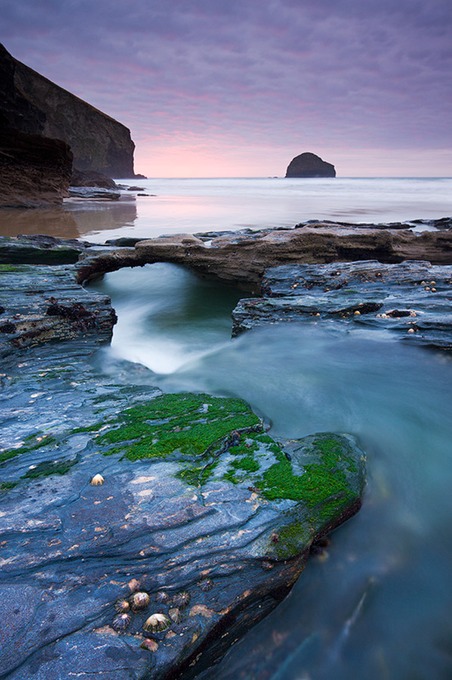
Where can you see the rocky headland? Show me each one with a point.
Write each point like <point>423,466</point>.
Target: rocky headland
<point>309,165</point>
<point>51,139</point>
<point>33,104</point>
<point>142,532</point>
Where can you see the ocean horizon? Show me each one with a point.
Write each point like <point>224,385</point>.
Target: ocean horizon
<point>194,205</point>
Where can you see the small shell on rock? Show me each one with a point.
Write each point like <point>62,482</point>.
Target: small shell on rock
<point>122,606</point>
<point>150,645</point>
<point>121,622</point>
<point>134,585</point>
<point>175,615</point>
<point>206,585</point>
<point>140,600</point>
<point>411,330</point>
<point>97,480</point>
<point>156,623</point>
<point>181,599</point>
<point>162,597</point>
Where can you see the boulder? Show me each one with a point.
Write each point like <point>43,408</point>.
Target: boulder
<point>309,165</point>
<point>90,178</point>
<point>34,171</point>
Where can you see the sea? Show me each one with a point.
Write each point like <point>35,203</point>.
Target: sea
<point>376,605</point>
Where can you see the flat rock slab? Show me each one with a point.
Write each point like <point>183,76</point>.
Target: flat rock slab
<point>199,508</point>
<point>412,299</point>
<point>39,304</point>
<point>243,257</point>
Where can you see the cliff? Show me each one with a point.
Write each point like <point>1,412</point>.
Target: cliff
<point>32,104</point>
<point>309,165</point>
<point>34,170</point>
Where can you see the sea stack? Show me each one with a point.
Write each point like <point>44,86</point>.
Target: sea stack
<point>309,165</point>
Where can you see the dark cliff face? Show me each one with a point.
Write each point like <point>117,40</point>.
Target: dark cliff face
<point>33,104</point>
<point>309,165</point>
<point>34,170</point>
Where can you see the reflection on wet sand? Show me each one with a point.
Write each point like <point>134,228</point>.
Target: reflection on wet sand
<point>74,219</point>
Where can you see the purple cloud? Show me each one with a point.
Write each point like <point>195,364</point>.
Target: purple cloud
<point>287,75</point>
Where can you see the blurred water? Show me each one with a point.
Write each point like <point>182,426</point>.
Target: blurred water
<point>199,205</point>
<point>379,607</point>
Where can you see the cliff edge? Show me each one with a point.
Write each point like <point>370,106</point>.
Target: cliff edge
<point>32,104</point>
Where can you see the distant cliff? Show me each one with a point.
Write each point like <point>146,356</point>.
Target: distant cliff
<point>309,165</point>
<point>33,104</point>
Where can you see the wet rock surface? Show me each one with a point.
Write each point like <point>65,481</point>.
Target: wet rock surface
<point>243,257</point>
<point>412,299</point>
<point>39,304</point>
<point>94,192</point>
<point>40,249</point>
<point>214,536</point>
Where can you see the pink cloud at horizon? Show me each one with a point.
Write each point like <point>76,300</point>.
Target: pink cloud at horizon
<point>238,89</point>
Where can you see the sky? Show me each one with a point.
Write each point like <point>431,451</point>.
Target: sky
<point>237,88</point>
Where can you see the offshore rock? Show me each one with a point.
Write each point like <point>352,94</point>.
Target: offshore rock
<point>199,508</point>
<point>411,299</point>
<point>34,171</point>
<point>33,104</point>
<point>309,165</point>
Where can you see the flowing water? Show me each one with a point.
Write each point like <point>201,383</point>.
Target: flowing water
<point>379,606</point>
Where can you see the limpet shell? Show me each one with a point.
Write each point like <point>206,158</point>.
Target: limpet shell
<point>181,599</point>
<point>122,606</point>
<point>150,645</point>
<point>156,623</point>
<point>162,597</point>
<point>97,480</point>
<point>175,615</point>
<point>121,622</point>
<point>140,600</point>
<point>134,585</point>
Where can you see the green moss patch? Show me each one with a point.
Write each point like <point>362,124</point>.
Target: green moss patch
<point>321,480</point>
<point>189,424</point>
<point>48,468</point>
<point>31,443</point>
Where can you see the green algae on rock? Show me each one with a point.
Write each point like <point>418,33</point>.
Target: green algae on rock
<point>189,424</point>
<point>195,490</point>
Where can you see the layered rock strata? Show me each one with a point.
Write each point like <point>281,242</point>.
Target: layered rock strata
<point>34,171</point>
<point>39,304</point>
<point>411,299</point>
<point>199,510</point>
<point>242,258</point>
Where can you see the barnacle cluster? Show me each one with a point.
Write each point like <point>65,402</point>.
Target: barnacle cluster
<point>158,621</point>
